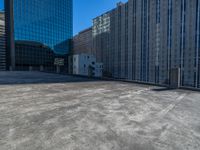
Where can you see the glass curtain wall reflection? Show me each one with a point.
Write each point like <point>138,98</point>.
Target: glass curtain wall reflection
<point>45,21</point>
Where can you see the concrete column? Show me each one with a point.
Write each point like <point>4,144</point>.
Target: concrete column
<point>175,78</point>
<point>41,68</point>
<point>10,47</point>
<point>10,68</point>
<point>30,68</point>
<point>57,69</point>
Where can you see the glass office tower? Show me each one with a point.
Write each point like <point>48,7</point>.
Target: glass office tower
<point>46,21</point>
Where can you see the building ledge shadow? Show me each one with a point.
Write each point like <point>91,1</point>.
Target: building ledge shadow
<point>26,77</point>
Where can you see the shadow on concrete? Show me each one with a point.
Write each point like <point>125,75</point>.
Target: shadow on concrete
<point>163,89</point>
<point>22,77</point>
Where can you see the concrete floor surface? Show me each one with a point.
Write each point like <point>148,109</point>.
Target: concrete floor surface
<point>40,111</point>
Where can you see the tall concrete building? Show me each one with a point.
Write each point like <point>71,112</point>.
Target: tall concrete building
<point>144,40</point>
<point>82,42</point>
<point>2,42</point>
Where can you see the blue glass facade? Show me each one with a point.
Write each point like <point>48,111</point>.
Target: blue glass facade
<point>45,21</point>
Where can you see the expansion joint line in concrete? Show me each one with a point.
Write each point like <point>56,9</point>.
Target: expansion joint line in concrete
<point>171,106</point>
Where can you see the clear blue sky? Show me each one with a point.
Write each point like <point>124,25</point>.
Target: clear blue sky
<point>86,10</point>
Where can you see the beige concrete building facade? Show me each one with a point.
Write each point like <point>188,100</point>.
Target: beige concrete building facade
<point>82,42</point>
<point>2,42</point>
<point>144,40</point>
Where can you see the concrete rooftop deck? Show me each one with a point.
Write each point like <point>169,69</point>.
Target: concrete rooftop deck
<point>40,111</point>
